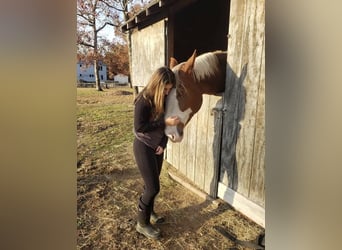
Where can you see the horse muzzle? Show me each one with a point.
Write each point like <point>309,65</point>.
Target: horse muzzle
<point>175,133</point>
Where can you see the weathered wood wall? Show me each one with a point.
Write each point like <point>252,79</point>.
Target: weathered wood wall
<point>148,47</point>
<point>197,156</point>
<point>243,136</point>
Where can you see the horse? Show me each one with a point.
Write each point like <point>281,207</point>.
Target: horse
<point>200,75</point>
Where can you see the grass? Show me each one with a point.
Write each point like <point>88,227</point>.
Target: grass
<point>104,128</point>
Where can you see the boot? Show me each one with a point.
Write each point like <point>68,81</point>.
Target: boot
<point>144,226</point>
<point>148,230</point>
<point>155,218</point>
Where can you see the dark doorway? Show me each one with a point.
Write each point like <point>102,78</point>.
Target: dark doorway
<point>202,26</point>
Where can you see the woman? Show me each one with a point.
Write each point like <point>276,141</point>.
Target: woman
<point>150,142</point>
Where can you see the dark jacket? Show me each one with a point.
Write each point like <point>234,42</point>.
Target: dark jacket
<point>148,131</point>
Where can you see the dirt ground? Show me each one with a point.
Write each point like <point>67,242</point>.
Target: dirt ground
<point>109,185</point>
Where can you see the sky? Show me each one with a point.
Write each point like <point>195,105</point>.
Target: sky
<point>108,32</point>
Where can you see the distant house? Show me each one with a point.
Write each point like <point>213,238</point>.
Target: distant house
<point>85,72</point>
<point>121,79</point>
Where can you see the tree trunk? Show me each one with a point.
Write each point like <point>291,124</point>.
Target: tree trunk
<point>129,43</point>
<point>96,63</point>
<point>97,76</point>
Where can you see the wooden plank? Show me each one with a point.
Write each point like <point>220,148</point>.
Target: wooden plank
<point>235,34</point>
<point>201,146</point>
<point>191,134</point>
<point>168,154</point>
<point>183,153</point>
<point>171,159</point>
<point>209,166</point>
<point>214,126</point>
<point>232,114</point>
<point>242,204</point>
<point>252,49</point>
<point>176,150</point>
<point>178,160</point>
<point>234,108</point>
<point>245,141</point>
<point>257,186</point>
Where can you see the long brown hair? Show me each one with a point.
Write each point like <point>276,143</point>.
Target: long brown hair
<point>154,90</point>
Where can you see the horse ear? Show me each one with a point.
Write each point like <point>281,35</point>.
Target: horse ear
<point>173,62</point>
<point>189,64</point>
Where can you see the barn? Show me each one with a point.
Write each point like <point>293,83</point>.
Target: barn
<point>223,151</point>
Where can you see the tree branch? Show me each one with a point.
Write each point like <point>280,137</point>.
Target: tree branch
<point>89,20</point>
<point>85,44</point>
<point>111,6</point>
<point>104,25</point>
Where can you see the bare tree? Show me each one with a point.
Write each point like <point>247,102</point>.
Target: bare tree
<point>92,17</point>
<point>127,8</point>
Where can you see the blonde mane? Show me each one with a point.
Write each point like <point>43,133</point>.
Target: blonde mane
<point>205,66</point>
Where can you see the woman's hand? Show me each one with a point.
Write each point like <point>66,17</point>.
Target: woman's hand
<point>172,120</point>
<point>159,150</point>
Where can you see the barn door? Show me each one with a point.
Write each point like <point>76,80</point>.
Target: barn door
<point>242,166</point>
<point>197,156</point>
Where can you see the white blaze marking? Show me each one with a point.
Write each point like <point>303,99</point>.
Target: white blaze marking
<point>172,109</point>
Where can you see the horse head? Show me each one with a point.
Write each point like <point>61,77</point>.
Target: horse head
<point>193,79</point>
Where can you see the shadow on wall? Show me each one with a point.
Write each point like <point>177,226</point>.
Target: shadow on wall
<point>232,109</point>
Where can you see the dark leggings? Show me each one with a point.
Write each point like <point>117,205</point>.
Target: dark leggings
<point>150,166</point>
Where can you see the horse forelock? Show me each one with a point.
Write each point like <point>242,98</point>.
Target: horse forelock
<point>205,66</point>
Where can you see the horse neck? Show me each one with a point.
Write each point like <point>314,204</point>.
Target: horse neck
<point>214,83</point>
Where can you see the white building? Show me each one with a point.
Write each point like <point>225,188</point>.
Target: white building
<point>121,79</point>
<point>85,72</point>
